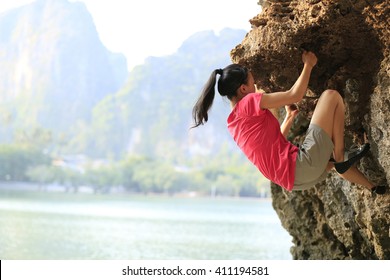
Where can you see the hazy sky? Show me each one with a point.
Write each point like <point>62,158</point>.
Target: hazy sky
<point>145,28</point>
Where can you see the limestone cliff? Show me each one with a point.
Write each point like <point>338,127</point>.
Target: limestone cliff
<point>336,219</point>
<point>53,68</point>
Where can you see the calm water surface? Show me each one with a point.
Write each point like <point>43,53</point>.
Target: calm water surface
<point>78,226</point>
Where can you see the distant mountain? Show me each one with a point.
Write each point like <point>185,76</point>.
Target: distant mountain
<point>151,114</point>
<point>63,90</point>
<point>53,67</point>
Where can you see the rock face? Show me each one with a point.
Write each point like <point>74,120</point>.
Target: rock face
<point>335,219</point>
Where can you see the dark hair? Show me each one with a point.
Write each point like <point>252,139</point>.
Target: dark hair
<point>231,78</point>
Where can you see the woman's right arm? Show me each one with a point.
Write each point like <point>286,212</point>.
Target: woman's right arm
<point>298,90</point>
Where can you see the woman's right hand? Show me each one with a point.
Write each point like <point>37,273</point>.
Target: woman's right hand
<point>291,110</point>
<point>309,58</point>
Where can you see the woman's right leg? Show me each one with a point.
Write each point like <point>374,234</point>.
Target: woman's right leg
<point>329,115</point>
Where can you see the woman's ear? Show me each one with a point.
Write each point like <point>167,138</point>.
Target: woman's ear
<point>243,88</point>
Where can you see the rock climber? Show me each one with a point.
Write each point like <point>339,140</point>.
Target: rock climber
<point>263,140</point>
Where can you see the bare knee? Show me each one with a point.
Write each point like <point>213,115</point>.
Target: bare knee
<point>336,108</point>
<point>331,93</point>
<point>333,97</point>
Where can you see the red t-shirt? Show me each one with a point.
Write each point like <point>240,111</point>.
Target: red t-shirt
<point>257,133</point>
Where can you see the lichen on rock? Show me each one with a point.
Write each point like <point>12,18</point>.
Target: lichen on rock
<point>351,38</point>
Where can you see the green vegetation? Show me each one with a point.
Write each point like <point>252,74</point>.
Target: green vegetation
<point>134,174</point>
<point>15,161</point>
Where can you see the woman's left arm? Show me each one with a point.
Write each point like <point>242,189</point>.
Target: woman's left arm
<point>291,112</point>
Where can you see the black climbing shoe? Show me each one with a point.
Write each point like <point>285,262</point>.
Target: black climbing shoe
<point>379,190</point>
<point>354,156</point>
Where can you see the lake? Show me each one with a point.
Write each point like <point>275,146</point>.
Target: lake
<point>62,226</point>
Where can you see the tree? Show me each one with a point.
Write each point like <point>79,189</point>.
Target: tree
<point>15,160</point>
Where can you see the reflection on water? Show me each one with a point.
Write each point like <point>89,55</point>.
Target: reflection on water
<point>76,226</point>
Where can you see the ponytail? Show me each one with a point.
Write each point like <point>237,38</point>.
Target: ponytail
<point>205,101</point>
<point>232,77</point>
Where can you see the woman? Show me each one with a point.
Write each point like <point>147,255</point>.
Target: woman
<point>258,134</point>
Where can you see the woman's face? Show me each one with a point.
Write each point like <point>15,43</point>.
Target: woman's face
<point>251,83</point>
<point>247,88</point>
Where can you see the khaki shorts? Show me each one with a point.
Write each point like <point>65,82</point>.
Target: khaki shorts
<point>312,159</point>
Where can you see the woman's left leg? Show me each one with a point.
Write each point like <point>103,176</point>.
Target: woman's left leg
<point>329,115</point>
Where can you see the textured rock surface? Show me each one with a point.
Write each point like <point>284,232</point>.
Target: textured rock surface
<point>336,219</point>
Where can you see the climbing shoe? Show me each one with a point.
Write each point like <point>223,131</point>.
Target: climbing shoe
<point>353,156</point>
<point>379,190</point>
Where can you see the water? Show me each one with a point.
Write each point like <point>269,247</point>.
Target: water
<point>53,226</point>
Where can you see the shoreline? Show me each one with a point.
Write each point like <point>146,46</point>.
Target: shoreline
<point>114,191</point>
